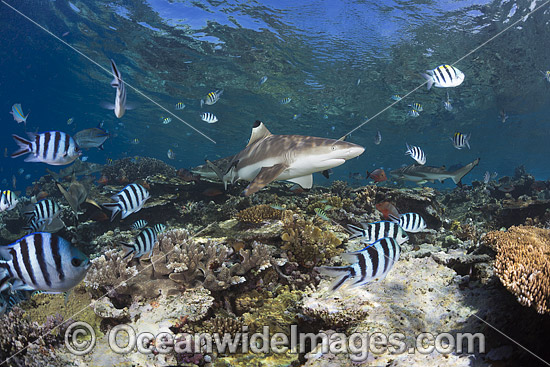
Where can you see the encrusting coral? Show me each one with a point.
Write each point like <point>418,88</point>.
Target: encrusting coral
<point>523,265</point>
<point>258,214</point>
<point>308,244</point>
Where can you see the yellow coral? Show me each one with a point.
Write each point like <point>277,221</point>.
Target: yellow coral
<point>322,202</point>
<point>307,244</point>
<point>258,214</point>
<point>523,264</point>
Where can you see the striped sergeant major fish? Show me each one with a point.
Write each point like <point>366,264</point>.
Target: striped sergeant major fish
<point>416,153</point>
<point>120,98</point>
<point>209,117</point>
<point>460,140</point>
<point>372,232</point>
<point>285,100</point>
<point>8,200</point>
<point>129,200</point>
<point>212,97</point>
<point>159,228</point>
<point>44,262</point>
<point>143,244</point>
<point>410,222</point>
<point>44,211</point>
<point>139,224</point>
<point>444,76</point>
<point>417,106</point>
<point>17,113</point>
<point>52,147</point>
<point>369,264</point>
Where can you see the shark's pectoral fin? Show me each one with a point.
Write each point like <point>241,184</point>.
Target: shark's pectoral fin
<point>266,175</point>
<point>305,181</point>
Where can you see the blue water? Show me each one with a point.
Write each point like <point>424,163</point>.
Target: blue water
<point>311,51</point>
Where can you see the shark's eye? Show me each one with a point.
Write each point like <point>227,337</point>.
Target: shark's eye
<point>76,262</point>
<point>333,147</point>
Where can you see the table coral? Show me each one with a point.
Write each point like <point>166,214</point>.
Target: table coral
<point>523,264</point>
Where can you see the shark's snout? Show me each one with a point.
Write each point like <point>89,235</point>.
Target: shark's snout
<point>355,151</point>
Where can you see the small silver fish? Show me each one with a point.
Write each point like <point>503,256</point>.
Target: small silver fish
<point>447,104</point>
<point>358,82</point>
<point>486,177</point>
<point>396,97</point>
<point>263,80</point>
<point>378,138</point>
<point>413,113</point>
<point>166,120</point>
<point>171,154</point>
<point>70,120</point>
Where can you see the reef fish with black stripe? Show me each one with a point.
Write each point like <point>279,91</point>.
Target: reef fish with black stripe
<point>129,200</point>
<point>372,263</point>
<point>44,262</point>
<point>52,147</point>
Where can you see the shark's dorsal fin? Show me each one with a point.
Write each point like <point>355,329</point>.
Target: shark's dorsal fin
<point>259,131</point>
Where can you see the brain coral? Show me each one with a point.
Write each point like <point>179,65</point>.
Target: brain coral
<point>523,264</point>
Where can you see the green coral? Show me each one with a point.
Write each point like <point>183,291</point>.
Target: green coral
<point>308,244</point>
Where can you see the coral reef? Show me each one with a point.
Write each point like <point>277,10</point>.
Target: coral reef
<point>27,343</point>
<point>308,244</point>
<point>109,273</point>
<point>523,265</point>
<point>258,214</point>
<point>128,170</point>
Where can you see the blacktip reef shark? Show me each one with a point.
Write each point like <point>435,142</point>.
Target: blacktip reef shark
<point>423,174</point>
<point>293,158</point>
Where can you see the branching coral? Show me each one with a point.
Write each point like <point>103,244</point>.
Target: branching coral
<point>523,264</point>
<point>17,332</point>
<point>187,261</point>
<point>109,271</point>
<point>324,201</point>
<point>258,214</point>
<point>307,244</point>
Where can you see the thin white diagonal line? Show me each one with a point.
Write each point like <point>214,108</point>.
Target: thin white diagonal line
<point>83,309</point>
<point>456,62</point>
<point>108,71</point>
<point>500,332</point>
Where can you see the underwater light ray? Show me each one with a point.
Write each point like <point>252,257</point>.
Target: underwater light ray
<point>522,18</point>
<point>85,308</point>
<point>108,71</point>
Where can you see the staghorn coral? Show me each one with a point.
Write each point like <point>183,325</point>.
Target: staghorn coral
<point>132,169</point>
<point>187,261</point>
<point>258,214</point>
<point>324,201</point>
<point>307,244</point>
<point>523,265</point>
<point>109,271</point>
<point>223,324</point>
<point>366,198</point>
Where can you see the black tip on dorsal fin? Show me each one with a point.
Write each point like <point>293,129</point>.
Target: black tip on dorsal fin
<point>259,131</point>
<point>256,124</point>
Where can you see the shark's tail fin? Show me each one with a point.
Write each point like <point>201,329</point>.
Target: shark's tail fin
<point>461,172</point>
<point>342,274</point>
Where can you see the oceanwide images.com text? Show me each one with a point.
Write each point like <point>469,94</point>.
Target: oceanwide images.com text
<point>80,339</point>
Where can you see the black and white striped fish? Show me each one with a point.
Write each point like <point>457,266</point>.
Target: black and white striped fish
<point>460,140</point>
<point>212,98</point>
<point>410,222</point>
<point>416,153</point>
<point>120,98</point>
<point>444,76</point>
<point>143,243</point>
<point>372,232</point>
<point>159,228</point>
<point>52,147</point>
<point>43,261</point>
<point>286,100</point>
<point>369,264</point>
<point>417,106</point>
<point>129,200</point>
<point>43,211</point>
<point>209,117</point>
<point>139,224</point>
<point>8,200</point>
